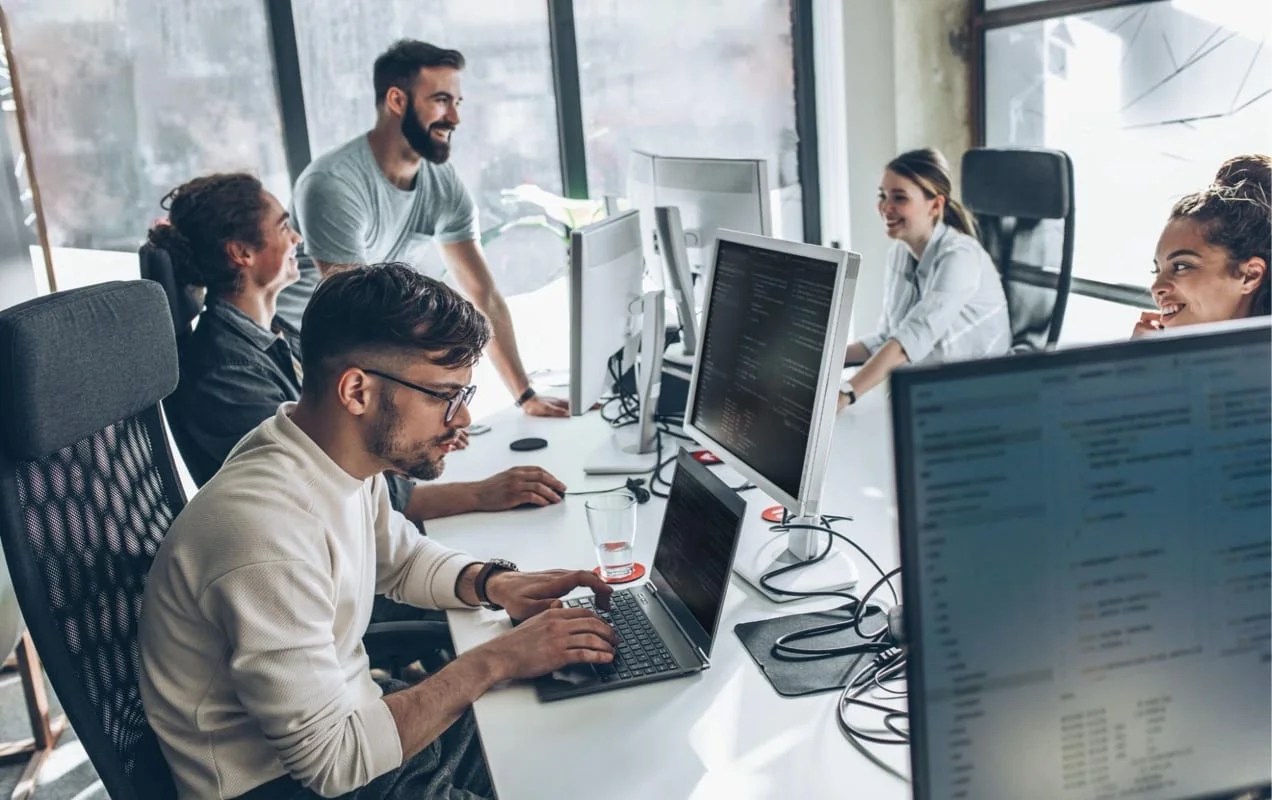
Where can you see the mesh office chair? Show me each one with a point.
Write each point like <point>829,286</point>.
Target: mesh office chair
<point>184,303</point>
<point>87,492</point>
<point>1011,191</point>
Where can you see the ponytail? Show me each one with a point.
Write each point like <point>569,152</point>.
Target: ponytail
<point>958,217</point>
<point>204,216</point>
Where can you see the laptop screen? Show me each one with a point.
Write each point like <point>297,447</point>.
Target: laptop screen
<point>700,531</point>
<point>1086,542</point>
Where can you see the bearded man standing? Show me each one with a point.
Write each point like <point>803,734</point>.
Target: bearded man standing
<point>389,193</point>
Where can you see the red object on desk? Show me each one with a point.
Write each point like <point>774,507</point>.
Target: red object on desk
<point>638,572</point>
<point>773,514</point>
<point>705,457</point>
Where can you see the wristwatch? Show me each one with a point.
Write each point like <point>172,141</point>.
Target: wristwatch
<point>525,396</point>
<point>846,388</point>
<point>483,576</point>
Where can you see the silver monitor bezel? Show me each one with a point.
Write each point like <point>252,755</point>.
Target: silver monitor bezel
<point>582,240</point>
<point>825,403</point>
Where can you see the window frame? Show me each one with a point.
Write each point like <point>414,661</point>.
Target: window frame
<point>565,80</point>
<point>984,21</point>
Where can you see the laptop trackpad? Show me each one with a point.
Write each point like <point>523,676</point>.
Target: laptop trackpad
<point>574,675</point>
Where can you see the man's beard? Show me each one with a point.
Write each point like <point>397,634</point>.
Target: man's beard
<point>413,461</point>
<point>421,139</point>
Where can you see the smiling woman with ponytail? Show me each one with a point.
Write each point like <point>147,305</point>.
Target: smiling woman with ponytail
<point>943,299</point>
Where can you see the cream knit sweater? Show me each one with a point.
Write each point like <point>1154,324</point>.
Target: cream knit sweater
<point>252,623</point>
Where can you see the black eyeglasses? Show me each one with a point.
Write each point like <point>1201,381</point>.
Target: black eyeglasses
<point>454,400</point>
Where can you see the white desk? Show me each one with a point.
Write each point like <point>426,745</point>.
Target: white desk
<point>722,733</point>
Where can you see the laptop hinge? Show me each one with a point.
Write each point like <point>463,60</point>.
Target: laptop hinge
<point>706,662</point>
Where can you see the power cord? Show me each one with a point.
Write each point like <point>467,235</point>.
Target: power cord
<point>634,485</point>
<point>887,665</point>
<point>876,642</point>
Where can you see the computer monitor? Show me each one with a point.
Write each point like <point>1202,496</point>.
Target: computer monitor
<point>764,390</point>
<point>1085,541</point>
<point>605,295</point>
<point>611,317</point>
<point>707,194</point>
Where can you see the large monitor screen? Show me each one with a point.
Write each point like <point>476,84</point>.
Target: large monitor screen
<point>1086,539</point>
<point>764,334</point>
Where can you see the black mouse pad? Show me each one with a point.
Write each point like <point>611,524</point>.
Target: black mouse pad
<point>794,678</point>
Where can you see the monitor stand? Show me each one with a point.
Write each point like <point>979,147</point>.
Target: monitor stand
<point>634,449</point>
<point>621,455</point>
<point>675,354</point>
<point>762,552</point>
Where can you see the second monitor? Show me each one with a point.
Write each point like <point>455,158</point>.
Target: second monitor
<point>683,201</point>
<point>611,322</point>
<point>765,385</point>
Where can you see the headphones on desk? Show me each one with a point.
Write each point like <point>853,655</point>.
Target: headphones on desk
<point>634,485</point>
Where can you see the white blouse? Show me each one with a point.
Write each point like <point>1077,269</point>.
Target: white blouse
<point>946,306</point>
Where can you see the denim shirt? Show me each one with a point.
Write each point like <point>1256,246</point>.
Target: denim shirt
<point>234,376</point>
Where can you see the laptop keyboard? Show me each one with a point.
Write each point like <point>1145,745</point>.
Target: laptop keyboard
<point>640,650</point>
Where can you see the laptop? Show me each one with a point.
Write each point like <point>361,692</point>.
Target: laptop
<point>667,625</point>
<point>1085,541</point>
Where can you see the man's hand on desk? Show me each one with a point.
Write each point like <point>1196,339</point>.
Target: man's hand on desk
<point>550,641</point>
<point>525,594</point>
<point>541,406</point>
<point>518,486</point>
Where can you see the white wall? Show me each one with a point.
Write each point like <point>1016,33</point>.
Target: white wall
<point>857,122</point>
<point>889,78</point>
<point>933,76</point>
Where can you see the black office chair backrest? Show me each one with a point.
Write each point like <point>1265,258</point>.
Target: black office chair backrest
<point>87,493</point>
<point>1011,191</point>
<point>184,302</point>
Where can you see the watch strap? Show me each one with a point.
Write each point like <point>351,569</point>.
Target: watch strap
<point>483,577</point>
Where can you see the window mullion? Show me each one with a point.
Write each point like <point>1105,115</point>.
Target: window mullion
<point>569,101</point>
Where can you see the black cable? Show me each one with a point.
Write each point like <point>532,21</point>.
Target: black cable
<point>886,666</point>
<point>887,723</point>
<point>851,696</point>
<point>628,402</point>
<point>876,642</point>
<point>634,485</point>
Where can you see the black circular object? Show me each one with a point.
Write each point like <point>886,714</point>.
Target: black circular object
<point>532,443</point>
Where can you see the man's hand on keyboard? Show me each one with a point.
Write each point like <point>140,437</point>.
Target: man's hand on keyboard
<point>549,641</point>
<point>525,594</point>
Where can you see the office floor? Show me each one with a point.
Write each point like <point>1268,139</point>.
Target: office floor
<point>67,773</point>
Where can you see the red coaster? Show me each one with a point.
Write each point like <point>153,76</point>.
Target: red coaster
<point>638,572</point>
<point>773,514</point>
<point>705,457</point>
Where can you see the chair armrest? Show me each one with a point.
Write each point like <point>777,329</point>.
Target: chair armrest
<point>393,645</point>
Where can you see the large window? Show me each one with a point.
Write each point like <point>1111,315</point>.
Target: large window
<point>154,92</point>
<point>690,79</point>
<point>507,135</point>
<point>125,99</point>
<point>1148,99</point>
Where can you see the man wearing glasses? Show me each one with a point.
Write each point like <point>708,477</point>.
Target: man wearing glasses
<point>227,233</point>
<point>253,672</point>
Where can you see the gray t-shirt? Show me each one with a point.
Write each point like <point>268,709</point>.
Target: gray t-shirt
<point>349,213</point>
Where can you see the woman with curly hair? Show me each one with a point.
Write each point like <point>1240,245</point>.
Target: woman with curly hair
<point>1212,258</point>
